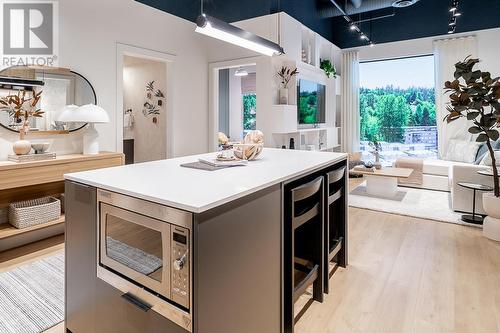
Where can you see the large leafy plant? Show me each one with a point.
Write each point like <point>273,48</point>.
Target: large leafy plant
<point>475,95</point>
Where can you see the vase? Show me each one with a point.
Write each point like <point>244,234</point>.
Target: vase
<point>283,96</point>
<point>22,146</point>
<point>491,224</point>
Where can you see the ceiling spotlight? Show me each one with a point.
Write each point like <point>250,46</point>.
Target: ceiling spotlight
<point>451,30</point>
<point>352,26</point>
<point>453,8</point>
<point>363,36</point>
<point>453,22</point>
<point>455,14</point>
<point>372,44</point>
<point>240,72</point>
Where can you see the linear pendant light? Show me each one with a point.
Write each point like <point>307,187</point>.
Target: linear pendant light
<point>212,27</point>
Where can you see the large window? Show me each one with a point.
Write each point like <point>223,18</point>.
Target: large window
<point>397,107</point>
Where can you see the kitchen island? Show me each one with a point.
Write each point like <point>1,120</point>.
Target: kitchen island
<point>157,247</point>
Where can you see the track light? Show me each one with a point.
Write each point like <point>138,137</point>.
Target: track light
<point>363,36</point>
<point>453,22</point>
<point>226,32</point>
<point>451,30</point>
<point>372,44</point>
<point>455,14</point>
<point>352,26</point>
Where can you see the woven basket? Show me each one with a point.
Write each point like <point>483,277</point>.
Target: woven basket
<point>33,212</point>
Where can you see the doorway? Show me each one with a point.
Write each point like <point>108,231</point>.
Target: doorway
<point>144,120</point>
<point>237,101</point>
<point>235,98</point>
<point>144,104</point>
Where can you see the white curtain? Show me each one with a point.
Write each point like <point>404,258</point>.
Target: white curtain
<point>447,53</point>
<point>350,101</point>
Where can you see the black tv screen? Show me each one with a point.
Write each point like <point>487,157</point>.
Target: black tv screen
<point>311,102</point>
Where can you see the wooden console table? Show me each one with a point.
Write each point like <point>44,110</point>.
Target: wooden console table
<point>28,180</point>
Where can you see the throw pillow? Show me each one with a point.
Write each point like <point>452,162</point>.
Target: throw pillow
<point>487,159</point>
<point>462,151</point>
<point>483,149</point>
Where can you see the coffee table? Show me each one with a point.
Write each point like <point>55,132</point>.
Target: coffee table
<point>384,182</point>
<point>475,219</point>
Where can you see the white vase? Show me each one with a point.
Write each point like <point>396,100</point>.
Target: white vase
<point>21,147</point>
<point>491,224</point>
<point>283,95</point>
<point>491,205</point>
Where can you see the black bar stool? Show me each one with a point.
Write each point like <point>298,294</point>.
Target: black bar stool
<point>303,245</point>
<point>335,221</point>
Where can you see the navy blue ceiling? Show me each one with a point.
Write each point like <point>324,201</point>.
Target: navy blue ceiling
<point>425,18</point>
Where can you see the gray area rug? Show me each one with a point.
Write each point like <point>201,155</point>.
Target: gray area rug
<point>32,296</point>
<point>132,257</point>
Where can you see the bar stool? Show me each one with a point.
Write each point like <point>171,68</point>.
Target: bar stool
<point>303,245</point>
<point>335,222</point>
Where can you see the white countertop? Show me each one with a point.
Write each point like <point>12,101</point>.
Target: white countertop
<point>167,183</point>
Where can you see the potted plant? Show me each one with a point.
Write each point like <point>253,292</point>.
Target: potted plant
<point>285,74</point>
<point>476,96</point>
<point>22,107</point>
<point>329,69</point>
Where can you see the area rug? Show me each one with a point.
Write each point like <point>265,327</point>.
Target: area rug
<point>32,296</point>
<point>424,204</point>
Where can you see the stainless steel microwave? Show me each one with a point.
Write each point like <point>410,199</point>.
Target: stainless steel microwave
<point>144,250</point>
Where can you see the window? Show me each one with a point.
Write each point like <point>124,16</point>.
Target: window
<point>249,111</point>
<point>397,107</point>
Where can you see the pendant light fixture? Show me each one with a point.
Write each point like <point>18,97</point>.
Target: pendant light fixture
<point>240,72</point>
<point>212,27</point>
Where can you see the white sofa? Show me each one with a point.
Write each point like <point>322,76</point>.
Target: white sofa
<point>441,175</point>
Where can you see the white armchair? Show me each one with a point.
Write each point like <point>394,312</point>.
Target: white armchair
<point>461,198</point>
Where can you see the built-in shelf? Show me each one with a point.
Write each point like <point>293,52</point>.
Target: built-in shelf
<point>6,230</point>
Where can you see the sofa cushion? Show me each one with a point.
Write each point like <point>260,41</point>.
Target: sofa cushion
<point>462,151</point>
<point>487,159</point>
<point>483,150</point>
<point>439,167</point>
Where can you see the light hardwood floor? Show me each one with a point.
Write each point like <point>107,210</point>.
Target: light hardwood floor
<point>405,275</point>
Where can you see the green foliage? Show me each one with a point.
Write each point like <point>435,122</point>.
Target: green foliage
<point>386,112</point>
<point>476,95</point>
<point>249,111</point>
<point>308,107</point>
<point>327,66</point>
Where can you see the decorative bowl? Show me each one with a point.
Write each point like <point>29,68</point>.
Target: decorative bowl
<point>247,151</point>
<point>40,147</point>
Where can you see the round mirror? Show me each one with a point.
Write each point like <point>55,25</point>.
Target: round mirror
<point>59,86</point>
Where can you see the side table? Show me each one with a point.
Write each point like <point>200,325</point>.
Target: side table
<point>474,219</point>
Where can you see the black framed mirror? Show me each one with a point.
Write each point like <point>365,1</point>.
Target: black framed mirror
<point>59,86</point>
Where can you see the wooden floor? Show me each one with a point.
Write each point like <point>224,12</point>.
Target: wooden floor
<point>405,275</point>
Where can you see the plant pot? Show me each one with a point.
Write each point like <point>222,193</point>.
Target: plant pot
<point>283,95</point>
<point>491,205</point>
<point>21,147</point>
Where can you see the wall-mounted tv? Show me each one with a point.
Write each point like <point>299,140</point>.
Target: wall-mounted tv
<point>311,102</point>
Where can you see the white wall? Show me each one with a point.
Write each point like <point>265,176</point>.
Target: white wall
<point>150,139</point>
<point>235,107</point>
<point>487,43</point>
<point>89,32</point>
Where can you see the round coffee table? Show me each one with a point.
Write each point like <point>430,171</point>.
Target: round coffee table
<point>475,219</point>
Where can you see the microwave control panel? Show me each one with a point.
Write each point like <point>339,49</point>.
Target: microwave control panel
<point>180,274</point>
